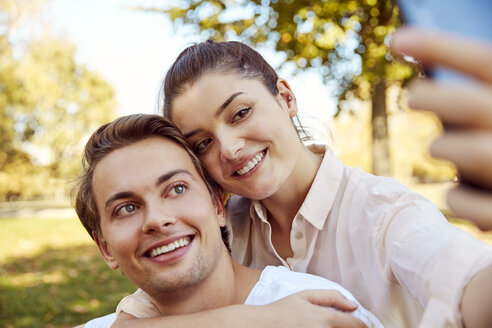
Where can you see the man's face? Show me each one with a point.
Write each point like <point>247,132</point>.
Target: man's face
<point>158,221</point>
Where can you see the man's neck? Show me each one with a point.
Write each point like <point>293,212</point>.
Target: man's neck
<point>229,283</point>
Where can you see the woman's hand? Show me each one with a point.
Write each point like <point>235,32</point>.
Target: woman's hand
<point>311,308</point>
<point>465,110</point>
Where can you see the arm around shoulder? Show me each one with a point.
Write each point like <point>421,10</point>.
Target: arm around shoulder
<point>213,318</point>
<point>316,307</point>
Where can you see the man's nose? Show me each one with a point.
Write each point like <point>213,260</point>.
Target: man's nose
<point>156,219</point>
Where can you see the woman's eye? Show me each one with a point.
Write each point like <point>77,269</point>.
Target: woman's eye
<point>177,190</point>
<point>125,210</point>
<point>241,114</point>
<point>200,147</point>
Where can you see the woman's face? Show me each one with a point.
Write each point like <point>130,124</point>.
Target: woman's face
<point>242,133</point>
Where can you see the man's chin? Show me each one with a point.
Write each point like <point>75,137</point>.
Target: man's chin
<point>176,279</point>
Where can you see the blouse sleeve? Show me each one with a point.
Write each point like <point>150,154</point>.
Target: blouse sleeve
<point>431,258</point>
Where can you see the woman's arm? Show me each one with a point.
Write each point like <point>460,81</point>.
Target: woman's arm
<point>467,109</point>
<point>476,303</point>
<point>311,308</point>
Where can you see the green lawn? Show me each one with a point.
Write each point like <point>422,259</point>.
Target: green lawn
<point>51,275</point>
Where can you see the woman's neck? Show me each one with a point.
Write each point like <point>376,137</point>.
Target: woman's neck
<point>286,202</point>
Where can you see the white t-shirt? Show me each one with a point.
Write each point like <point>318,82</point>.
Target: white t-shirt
<point>101,322</point>
<point>274,283</point>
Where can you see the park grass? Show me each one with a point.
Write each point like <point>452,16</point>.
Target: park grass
<point>52,275</point>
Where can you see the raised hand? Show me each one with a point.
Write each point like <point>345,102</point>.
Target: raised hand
<point>465,110</point>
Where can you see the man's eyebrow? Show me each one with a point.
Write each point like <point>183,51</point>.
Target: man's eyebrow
<point>163,178</point>
<point>120,195</point>
<point>160,180</point>
<point>217,113</point>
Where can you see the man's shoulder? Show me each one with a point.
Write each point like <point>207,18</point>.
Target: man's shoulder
<point>280,275</point>
<point>277,282</point>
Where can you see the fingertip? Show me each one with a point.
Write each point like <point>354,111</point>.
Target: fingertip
<point>435,146</point>
<point>351,304</point>
<point>403,40</point>
<point>471,204</point>
<point>421,93</point>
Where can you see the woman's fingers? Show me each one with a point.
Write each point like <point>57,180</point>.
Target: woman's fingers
<point>314,308</point>
<point>342,320</point>
<point>470,151</point>
<point>435,48</point>
<point>329,298</point>
<point>472,204</point>
<point>466,108</point>
<point>463,106</point>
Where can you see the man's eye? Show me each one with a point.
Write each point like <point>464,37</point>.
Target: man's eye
<point>125,210</point>
<point>177,190</point>
<point>200,147</point>
<point>241,114</point>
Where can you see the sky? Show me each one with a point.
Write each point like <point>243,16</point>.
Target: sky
<point>133,50</point>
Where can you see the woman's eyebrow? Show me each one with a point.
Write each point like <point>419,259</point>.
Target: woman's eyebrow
<point>227,102</point>
<point>217,113</point>
<point>192,133</point>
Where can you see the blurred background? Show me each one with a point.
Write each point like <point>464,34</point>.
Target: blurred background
<point>68,66</point>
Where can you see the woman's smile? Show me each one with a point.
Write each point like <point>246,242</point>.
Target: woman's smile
<point>251,166</point>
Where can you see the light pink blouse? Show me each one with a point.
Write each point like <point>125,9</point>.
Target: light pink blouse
<point>390,247</point>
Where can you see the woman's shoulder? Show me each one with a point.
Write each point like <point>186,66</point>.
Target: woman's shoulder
<point>383,190</point>
<point>378,203</point>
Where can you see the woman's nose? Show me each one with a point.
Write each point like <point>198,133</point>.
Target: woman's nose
<point>230,146</point>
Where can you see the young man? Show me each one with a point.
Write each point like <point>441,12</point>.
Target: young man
<point>145,200</point>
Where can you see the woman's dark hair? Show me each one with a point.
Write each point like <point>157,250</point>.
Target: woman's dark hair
<point>217,57</point>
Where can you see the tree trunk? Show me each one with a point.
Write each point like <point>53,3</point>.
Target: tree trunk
<point>381,164</point>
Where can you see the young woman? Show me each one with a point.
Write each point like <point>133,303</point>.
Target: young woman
<point>302,208</point>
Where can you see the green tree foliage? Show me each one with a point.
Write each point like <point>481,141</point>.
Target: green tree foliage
<point>63,101</point>
<point>345,40</point>
<point>48,105</point>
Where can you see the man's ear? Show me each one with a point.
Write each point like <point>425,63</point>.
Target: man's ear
<point>104,250</point>
<point>220,208</point>
<point>287,96</point>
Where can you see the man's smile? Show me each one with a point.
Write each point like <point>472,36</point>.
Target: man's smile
<point>169,246</point>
